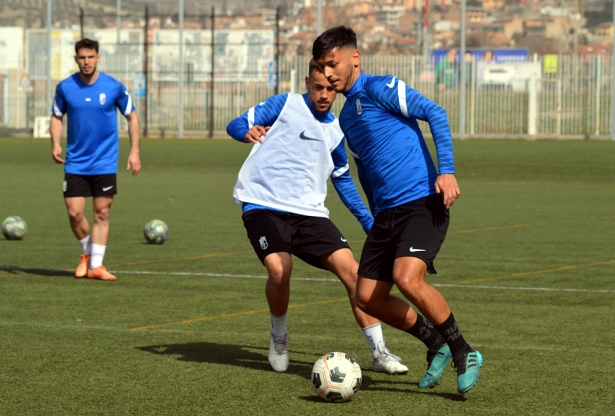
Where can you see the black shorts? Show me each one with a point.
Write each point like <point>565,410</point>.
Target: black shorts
<point>416,229</point>
<point>305,237</point>
<point>89,185</point>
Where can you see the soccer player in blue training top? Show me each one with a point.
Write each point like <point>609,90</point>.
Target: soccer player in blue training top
<point>408,197</point>
<point>90,99</point>
<point>282,187</point>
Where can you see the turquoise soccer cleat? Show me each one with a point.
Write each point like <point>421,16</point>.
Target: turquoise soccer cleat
<point>468,370</point>
<point>436,367</point>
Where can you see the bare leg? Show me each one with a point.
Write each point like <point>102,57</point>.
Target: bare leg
<point>409,276</point>
<point>342,264</point>
<point>100,229</point>
<point>279,267</point>
<point>75,207</point>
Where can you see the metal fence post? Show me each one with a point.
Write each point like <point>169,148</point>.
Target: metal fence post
<point>81,15</point>
<point>532,106</point>
<point>211,84</point>
<point>145,71</point>
<point>613,79</point>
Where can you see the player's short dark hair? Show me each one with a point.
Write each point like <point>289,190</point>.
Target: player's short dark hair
<point>336,37</point>
<point>315,66</point>
<point>86,44</point>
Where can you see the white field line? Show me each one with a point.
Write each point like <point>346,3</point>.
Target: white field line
<point>323,279</point>
<point>316,279</point>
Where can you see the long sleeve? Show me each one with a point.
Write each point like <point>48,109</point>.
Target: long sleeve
<point>263,114</point>
<point>346,188</point>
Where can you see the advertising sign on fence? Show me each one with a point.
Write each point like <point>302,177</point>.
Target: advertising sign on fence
<point>11,47</point>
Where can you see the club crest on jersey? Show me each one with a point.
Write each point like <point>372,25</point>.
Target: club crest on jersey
<point>102,98</point>
<point>263,242</point>
<point>359,111</point>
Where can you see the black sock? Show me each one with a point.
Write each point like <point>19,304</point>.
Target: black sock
<point>425,331</point>
<point>450,331</point>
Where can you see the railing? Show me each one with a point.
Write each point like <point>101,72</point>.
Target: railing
<point>572,102</point>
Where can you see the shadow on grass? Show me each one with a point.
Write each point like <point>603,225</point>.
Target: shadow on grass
<point>245,356</point>
<point>37,271</point>
<point>237,355</point>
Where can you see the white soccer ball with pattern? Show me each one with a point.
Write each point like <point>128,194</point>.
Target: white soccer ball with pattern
<point>14,227</point>
<point>336,377</point>
<point>156,232</point>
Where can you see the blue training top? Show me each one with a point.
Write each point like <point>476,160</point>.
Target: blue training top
<point>379,119</point>
<point>266,113</point>
<point>92,144</point>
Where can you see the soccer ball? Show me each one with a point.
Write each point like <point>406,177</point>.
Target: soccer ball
<point>156,232</point>
<point>14,227</point>
<point>336,377</point>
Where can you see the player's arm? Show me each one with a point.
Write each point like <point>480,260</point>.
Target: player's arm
<point>346,188</point>
<point>55,130</point>
<point>134,134</point>
<point>55,124</point>
<point>125,105</point>
<point>398,98</point>
<point>252,126</point>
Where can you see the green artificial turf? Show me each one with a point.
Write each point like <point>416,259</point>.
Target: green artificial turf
<point>527,267</point>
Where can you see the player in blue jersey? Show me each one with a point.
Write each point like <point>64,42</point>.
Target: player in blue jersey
<point>282,187</point>
<point>408,197</point>
<point>90,98</point>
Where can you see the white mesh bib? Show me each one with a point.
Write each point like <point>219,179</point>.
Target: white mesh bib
<point>289,171</point>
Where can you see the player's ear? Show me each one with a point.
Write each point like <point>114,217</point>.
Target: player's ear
<point>355,56</point>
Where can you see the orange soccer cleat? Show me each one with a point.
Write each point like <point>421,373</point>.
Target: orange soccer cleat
<point>84,266</point>
<point>100,273</point>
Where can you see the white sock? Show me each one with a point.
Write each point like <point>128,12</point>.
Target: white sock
<point>98,253</point>
<point>278,324</point>
<point>374,337</point>
<point>86,244</point>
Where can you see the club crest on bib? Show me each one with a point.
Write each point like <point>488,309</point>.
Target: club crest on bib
<point>359,111</point>
<point>102,98</point>
<point>263,242</point>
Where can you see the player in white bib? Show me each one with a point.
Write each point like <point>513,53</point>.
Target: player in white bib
<point>282,187</point>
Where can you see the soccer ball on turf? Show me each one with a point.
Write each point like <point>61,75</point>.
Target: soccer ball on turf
<point>156,232</point>
<point>336,377</point>
<point>14,227</point>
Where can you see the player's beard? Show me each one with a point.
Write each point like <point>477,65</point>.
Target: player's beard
<point>88,75</point>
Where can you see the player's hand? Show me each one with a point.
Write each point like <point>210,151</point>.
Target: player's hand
<point>134,162</point>
<point>255,133</point>
<point>56,151</point>
<point>446,185</point>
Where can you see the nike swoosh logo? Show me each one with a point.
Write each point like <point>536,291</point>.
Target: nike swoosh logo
<point>414,250</point>
<point>302,136</point>
<point>106,188</point>
<point>392,83</point>
<point>343,240</point>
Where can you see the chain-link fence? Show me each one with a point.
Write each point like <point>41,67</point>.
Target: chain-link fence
<point>224,71</point>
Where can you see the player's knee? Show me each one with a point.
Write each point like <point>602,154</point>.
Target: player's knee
<point>101,217</point>
<point>410,285</point>
<point>365,303</point>
<point>75,216</point>
<point>278,274</point>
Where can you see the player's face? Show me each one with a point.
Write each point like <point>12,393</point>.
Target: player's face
<point>320,93</point>
<point>87,59</point>
<point>339,67</point>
